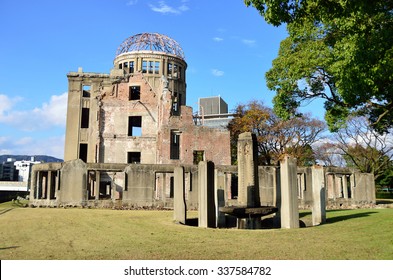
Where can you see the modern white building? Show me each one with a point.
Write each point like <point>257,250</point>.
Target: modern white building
<point>24,169</point>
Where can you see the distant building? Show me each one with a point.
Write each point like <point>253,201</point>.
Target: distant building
<point>213,112</point>
<point>8,171</point>
<point>24,168</point>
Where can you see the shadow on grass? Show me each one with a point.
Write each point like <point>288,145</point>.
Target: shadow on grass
<point>3,211</point>
<point>268,223</point>
<point>348,217</point>
<point>10,247</point>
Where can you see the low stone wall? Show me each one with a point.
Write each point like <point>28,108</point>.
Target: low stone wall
<point>132,186</point>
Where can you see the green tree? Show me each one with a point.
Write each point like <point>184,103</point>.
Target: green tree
<point>275,136</point>
<point>338,50</point>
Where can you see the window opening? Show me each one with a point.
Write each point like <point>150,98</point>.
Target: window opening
<point>169,70</point>
<point>134,157</point>
<point>171,186</point>
<point>135,93</point>
<point>83,152</point>
<point>150,63</point>
<point>234,186</point>
<point>86,91</point>
<point>175,145</point>
<point>198,156</point>
<point>85,118</point>
<point>348,178</point>
<point>134,126</point>
<point>175,104</point>
<point>120,66</point>
<point>175,71</point>
<point>105,190</point>
<point>144,66</point>
<point>132,66</point>
<point>157,67</point>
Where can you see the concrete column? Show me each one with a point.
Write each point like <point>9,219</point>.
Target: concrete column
<point>344,185</point>
<point>49,185</point>
<point>330,185</point>
<point>289,202</point>
<point>44,185</point>
<point>39,185</point>
<point>318,194</point>
<point>248,190</point>
<point>338,186</point>
<point>206,207</point>
<point>179,200</point>
<point>57,182</point>
<point>33,184</point>
<point>97,190</point>
<point>219,190</point>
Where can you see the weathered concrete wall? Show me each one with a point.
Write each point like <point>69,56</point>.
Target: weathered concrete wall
<point>136,185</point>
<point>268,185</point>
<point>73,183</point>
<point>304,189</point>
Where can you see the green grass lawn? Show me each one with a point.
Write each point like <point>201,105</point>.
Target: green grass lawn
<point>41,233</point>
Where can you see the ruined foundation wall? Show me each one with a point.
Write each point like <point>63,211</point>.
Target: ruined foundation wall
<point>75,183</point>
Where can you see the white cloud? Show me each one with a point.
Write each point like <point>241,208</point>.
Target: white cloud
<point>24,141</point>
<point>217,73</point>
<point>48,115</point>
<point>217,39</point>
<point>250,43</point>
<point>164,8</point>
<point>132,2</point>
<point>52,146</point>
<point>6,103</point>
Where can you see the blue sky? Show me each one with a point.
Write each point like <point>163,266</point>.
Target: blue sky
<point>228,49</point>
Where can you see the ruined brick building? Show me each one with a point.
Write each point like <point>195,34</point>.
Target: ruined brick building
<point>138,112</point>
<point>127,132</point>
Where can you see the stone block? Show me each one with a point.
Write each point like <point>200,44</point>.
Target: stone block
<point>289,211</point>
<point>179,200</point>
<point>206,204</point>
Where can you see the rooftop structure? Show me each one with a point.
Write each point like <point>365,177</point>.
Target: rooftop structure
<point>153,42</point>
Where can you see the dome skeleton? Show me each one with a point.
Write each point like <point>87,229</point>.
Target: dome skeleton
<point>151,42</point>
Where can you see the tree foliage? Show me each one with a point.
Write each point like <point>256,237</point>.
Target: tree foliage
<point>275,136</point>
<point>341,51</point>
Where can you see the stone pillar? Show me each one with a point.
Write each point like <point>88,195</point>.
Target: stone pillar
<point>49,185</point>
<point>345,185</point>
<point>219,187</point>
<point>248,190</point>
<point>206,207</point>
<point>39,185</point>
<point>289,202</point>
<point>97,186</point>
<point>330,186</point>
<point>318,195</point>
<point>44,185</point>
<point>179,201</point>
<point>57,183</point>
<point>33,184</point>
